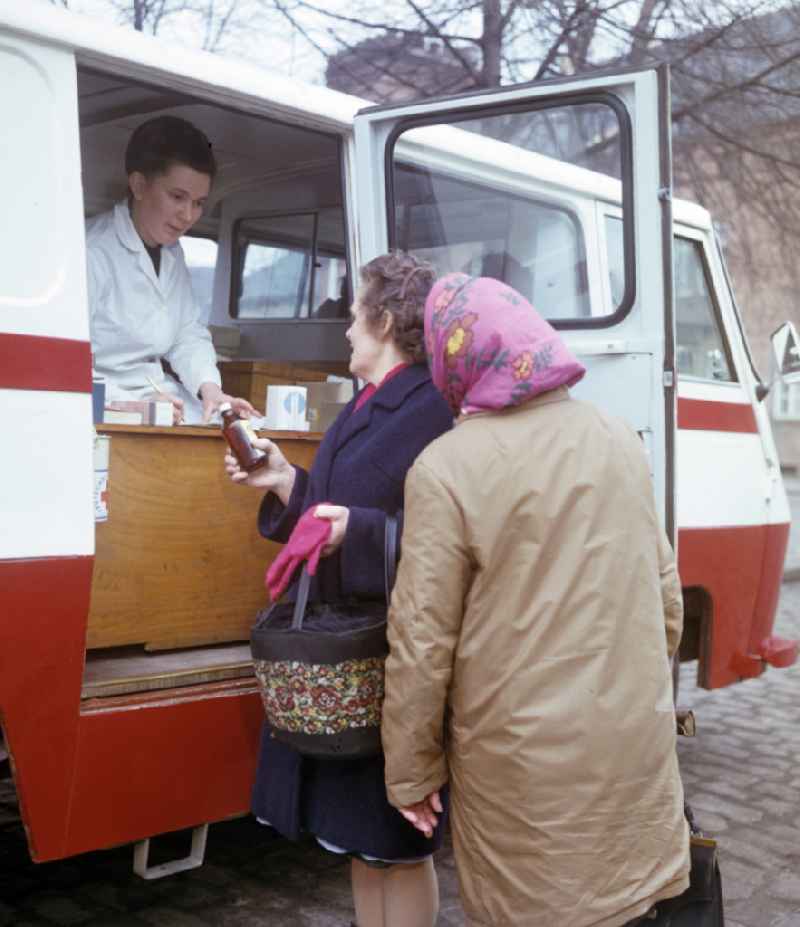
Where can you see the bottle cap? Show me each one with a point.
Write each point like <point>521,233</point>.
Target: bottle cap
<point>224,407</point>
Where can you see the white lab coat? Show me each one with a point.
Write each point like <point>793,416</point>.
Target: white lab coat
<point>137,318</point>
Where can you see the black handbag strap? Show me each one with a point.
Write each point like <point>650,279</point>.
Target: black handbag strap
<point>389,555</point>
<point>389,572</point>
<point>302,599</point>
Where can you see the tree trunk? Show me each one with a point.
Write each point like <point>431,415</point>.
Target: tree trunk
<point>138,15</point>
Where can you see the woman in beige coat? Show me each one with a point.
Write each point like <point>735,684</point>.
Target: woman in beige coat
<point>536,609</point>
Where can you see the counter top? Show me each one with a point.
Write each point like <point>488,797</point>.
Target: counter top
<point>203,431</point>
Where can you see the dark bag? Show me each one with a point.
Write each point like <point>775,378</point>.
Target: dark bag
<point>320,668</point>
<point>701,904</point>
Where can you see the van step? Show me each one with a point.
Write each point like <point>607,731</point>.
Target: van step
<point>194,860</point>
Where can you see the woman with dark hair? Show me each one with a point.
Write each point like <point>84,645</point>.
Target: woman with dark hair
<point>360,469</point>
<point>141,305</point>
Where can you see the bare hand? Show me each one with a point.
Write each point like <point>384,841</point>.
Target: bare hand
<point>277,476</point>
<point>424,815</point>
<point>338,516</point>
<point>212,398</point>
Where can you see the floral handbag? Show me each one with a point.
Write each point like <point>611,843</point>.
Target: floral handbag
<point>320,668</point>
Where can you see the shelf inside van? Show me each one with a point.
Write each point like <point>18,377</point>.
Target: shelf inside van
<point>123,670</point>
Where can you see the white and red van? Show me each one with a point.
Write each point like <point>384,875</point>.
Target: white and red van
<point>561,188</point>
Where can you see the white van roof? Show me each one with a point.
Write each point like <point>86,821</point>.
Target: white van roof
<point>122,50</point>
<point>138,56</point>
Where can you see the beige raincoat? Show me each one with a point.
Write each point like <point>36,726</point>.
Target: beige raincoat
<point>537,597</point>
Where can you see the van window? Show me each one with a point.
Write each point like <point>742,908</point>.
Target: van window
<point>700,347</point>
<point>287,270</point>
<point>477,212</point>
<point>535,247</point>
<point>201,262</point>
<point>786,402</point>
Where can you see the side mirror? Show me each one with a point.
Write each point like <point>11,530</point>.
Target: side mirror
<point>786,348</point>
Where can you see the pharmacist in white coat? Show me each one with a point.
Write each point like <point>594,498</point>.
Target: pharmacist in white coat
<point>140,297</point>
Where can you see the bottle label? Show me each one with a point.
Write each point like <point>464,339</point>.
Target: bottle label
<point>246,431</point>
<point>249,430</point>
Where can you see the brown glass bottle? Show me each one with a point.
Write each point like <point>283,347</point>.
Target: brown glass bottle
<point>238,434</point>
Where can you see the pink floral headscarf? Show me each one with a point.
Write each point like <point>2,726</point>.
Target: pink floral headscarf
<point>488,348</point>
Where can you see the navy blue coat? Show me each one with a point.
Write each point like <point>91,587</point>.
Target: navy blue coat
<point>361,463</point>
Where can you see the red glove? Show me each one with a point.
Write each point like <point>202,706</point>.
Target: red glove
<point>305,543</point>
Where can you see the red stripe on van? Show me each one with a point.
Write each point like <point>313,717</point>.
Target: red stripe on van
<point>36,362</point>
<point>707,415</point>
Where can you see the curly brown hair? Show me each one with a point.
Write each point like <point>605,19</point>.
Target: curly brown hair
<point>398,283</point>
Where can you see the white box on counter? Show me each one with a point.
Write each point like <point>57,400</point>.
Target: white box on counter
<point>286,409</point>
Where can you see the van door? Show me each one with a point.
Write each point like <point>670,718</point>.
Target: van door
<point>508,183</point>
<point>46,474</point>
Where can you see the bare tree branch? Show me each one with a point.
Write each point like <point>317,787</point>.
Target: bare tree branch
<point>739,143</point>
<point>434,31</point>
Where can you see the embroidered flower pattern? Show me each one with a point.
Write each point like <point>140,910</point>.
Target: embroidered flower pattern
<point>458,338</point>
<point>443,300</point>
<point>522,366</point>
<point>321,698</point>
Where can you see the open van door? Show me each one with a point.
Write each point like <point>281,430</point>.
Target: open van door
<point>517,184</point>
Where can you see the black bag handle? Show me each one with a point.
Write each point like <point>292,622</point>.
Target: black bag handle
<point>389,555</point>
<point>389,572</point>
<point>302,599</point>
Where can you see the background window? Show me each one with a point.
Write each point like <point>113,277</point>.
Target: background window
<point>290,267</point>
<point>786,401</point>
<point>700,348</point>
<point>201,262</point>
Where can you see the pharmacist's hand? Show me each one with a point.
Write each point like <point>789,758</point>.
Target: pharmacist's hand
<point>177,405</point>
<point>338,516</point>
<point>277,475</point>
<point>212,397</point>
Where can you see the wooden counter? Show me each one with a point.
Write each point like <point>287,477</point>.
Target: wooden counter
<point>180,561</point>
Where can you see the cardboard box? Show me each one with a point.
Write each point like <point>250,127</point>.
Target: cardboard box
<point>324,401</point>
<point>139,412</point>
<point>250,379</point>
<point>321,417</point>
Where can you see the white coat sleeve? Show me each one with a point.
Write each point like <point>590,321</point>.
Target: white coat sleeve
<point>424,626</point>
<point>98,285</point>
<point>192,355</point>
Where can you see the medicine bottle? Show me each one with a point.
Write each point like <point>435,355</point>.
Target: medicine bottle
<point>239,434</point>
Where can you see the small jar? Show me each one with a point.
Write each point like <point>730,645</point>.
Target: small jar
<point>239,435</point>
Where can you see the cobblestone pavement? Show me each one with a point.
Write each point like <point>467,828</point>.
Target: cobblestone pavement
<point>742,775</point>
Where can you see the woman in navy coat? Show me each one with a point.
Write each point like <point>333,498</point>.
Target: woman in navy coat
<point>360,469</point>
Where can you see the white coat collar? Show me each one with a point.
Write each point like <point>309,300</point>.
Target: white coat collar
<point>125,229</point>
<point>129,238</point>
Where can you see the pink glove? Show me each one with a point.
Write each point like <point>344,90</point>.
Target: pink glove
<point>305,543</point>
